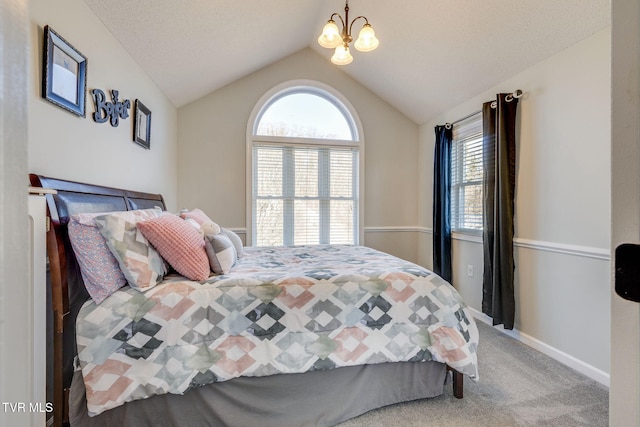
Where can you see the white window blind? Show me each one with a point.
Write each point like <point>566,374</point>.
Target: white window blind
<point>467,175</point>
<point>305,195</point>
<point>304,169</point>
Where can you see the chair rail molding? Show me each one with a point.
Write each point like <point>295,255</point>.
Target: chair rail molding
<point>540,245</point>
<point>564,248</point>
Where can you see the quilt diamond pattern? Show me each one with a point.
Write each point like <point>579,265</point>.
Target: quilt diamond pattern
<point>281,310</point>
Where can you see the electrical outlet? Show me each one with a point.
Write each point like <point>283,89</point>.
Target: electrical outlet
<point>470,270</point>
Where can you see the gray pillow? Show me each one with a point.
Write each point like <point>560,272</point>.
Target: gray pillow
<point>221,252</point>
<point>235,239</point>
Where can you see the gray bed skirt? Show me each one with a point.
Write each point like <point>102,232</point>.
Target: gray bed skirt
<point>318,398</point>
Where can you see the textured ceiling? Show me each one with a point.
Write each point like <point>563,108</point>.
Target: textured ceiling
<point>433,54</point>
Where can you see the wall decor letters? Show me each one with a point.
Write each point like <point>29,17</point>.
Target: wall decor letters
<point>113,111</point>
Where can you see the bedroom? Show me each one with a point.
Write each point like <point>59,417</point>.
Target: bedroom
<point>575,79</point>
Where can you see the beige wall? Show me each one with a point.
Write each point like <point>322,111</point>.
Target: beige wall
<point>212,151</point>
<point>562,203</point>
<point>63,145</point>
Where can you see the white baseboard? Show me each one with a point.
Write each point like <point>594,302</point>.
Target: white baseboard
<point>562,357</point>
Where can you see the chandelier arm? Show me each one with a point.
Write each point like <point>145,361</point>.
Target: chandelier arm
<point>334,14</point>
<point>344,27</point>
<point>366,21</point>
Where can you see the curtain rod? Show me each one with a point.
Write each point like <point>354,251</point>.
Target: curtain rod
<point>515,94</point>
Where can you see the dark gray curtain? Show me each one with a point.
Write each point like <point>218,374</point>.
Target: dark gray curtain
<point>442,203</point>
<point>499,151</point>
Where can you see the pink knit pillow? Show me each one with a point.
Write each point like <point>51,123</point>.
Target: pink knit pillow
<point>197,215</point>
<point>181,245</point>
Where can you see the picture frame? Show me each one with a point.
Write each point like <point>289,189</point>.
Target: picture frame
<point>64,75</point>
<point>142,125</point>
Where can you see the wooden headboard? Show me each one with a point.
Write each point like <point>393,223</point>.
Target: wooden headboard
<point>67,291</point>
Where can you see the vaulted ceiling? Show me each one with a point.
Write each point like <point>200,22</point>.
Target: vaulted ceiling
<point>433,54</point>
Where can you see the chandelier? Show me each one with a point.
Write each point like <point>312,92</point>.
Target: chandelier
<point>332,37</point>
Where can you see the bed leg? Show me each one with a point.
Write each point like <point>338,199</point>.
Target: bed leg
<point>458,383</point>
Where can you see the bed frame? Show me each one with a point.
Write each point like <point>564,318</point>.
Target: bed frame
<point>67,293</point>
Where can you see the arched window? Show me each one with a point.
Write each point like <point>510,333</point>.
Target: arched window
<point>304,148</point>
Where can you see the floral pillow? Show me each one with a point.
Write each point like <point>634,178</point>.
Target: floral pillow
<point>100,270</point>
<point>140,263</point>
<point>180,244</point>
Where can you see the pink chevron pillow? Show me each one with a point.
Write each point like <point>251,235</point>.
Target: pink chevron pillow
<point>180,244</point>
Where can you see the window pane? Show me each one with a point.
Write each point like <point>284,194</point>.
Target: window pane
<point>342,217</point>
<point>304,115</point>
<point>306,222</point>
<point>341,173</point>
<point>472,161</point>
<point>472,207</point>
<point>269,171</point>
<point>306,173</point>
<point>467,175</point>
<point>269,222</point>
<point>297,191</point>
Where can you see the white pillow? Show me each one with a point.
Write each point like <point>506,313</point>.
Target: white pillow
<point>235,239</point>
<point>221,252</point>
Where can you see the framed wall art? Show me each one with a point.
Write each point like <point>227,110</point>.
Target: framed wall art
<point>142,125</point>
<point>64,75</point>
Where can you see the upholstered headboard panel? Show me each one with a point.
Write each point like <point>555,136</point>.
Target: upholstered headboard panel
<point>67,291</point>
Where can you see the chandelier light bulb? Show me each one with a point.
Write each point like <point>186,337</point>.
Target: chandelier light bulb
<point>342,56</point>
<point>367,40</point>
<point>330,36</point>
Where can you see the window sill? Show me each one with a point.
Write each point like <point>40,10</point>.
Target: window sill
<point>467,236</point>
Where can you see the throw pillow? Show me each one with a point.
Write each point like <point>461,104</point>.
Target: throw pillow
<point>100,271</point>
<point>180,244</point>
<point>235,239</point>
<point>221,252</point>
<point>140,263</point>
<point>197,215</point>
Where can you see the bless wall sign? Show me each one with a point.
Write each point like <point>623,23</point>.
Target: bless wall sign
<point>112,111</point>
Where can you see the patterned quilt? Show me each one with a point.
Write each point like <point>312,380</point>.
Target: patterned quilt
<point>280,310</point>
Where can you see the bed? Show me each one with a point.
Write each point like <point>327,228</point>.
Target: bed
<point>304,335</point>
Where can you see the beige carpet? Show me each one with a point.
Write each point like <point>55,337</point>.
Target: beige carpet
<point>518,386</point>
